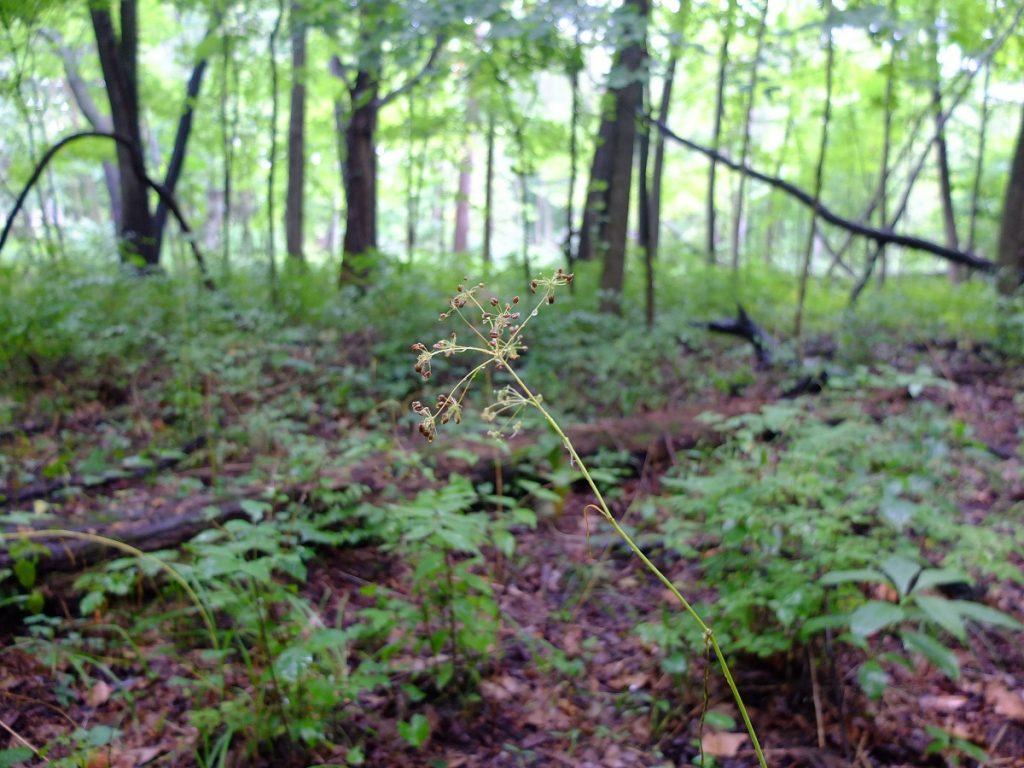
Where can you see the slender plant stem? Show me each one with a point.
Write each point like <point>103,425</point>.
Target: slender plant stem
<point>709,635</point>
<point>129,550</point>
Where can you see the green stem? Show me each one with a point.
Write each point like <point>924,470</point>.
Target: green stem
<point>128,549</point>
<point>709,635</point>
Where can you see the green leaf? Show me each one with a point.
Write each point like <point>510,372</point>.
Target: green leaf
<point>932,577</point>
<point>15,756</point>
<point>938,654</point>
<point>25,570</point>
<point>874,616</point>
<point>91,602</point>
<point>254,509</point>
<point>986,615</point>
<point>944,613</point>
<point>416,731</point>
<point>902,572</point>
<point>873,679</point>
<point>857,575</point>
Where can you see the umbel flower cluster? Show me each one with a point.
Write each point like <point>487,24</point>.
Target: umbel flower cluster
<point>496,334</point>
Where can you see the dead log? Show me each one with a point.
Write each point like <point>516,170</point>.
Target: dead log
<point>44,489</point>
<point>680,428</point>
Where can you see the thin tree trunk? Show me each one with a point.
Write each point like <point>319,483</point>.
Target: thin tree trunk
<point>575,67</point>
<point>227,150</point>
<point>460,239</point>
<point>489,193</point>
<point>644,205</point>
<point>819,175</point>
<point>773,220</point>
<point>716,135</point>
<point>654,209</point>
<point>980,161</point>
<point>295,199</point>
<point>1011,230</point>
<point>628,100</point>
<point>956,273</point>
<point>883,176</point>
<point>272,155</point>
<point>737,214</point>
<point>117,60</point>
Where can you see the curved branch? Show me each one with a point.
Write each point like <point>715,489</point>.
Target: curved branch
<point>412,82</point>
<point>165,197</point>
<point>880,236</point>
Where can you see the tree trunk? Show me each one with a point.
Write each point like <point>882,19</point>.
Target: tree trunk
<point>606,215</point>
<point>460,239</point>
<point>819,175</point>
<point>360,181</point>
<point>956,273</point>
<point>117,59</point>
<point>737,214</point>
<point>654,204</point>
<point>883,176</point>
<point>716,135</point>
<point>489,193</point>
<point>295,200</point>
<point>575,66</point>
<point>1011,230</point>
<point>979,163</point>
<point>644,223</point>
<point>272,153</point>
<point>141,231</point>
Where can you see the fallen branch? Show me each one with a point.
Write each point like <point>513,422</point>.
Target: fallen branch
<point>743,327</point>
<point>637,434</point>
<point>881,236</point>
<point>45,489</point>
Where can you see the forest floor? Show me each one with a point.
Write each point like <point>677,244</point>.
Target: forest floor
<point>570,681</point>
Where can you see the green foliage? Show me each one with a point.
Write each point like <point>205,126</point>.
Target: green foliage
<point>789,499</point>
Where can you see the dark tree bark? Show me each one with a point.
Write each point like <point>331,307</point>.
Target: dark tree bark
<point>1011,230</point>
<point>360,179</point>
<point>606,213</point>
<point>117,60</point>
<point>628,101</point>
<point>141,230</point>
<point>295,199</point>
<point>716,135</point>
<point>945,184</point>
<point>359,165</point>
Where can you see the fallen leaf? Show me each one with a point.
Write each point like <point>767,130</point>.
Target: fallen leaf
<point>98,694</point>
<point>1004,701</point>
<point>633,682</point>
<point>722,744</point>
<point>947,703</point>
<point>132,758</point>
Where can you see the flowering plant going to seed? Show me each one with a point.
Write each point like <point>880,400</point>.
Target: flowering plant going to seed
<point>495,331</point>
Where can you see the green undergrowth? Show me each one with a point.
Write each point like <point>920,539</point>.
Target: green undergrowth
<point>812,524</point>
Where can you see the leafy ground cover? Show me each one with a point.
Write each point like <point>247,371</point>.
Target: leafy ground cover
<point>358,597</point>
